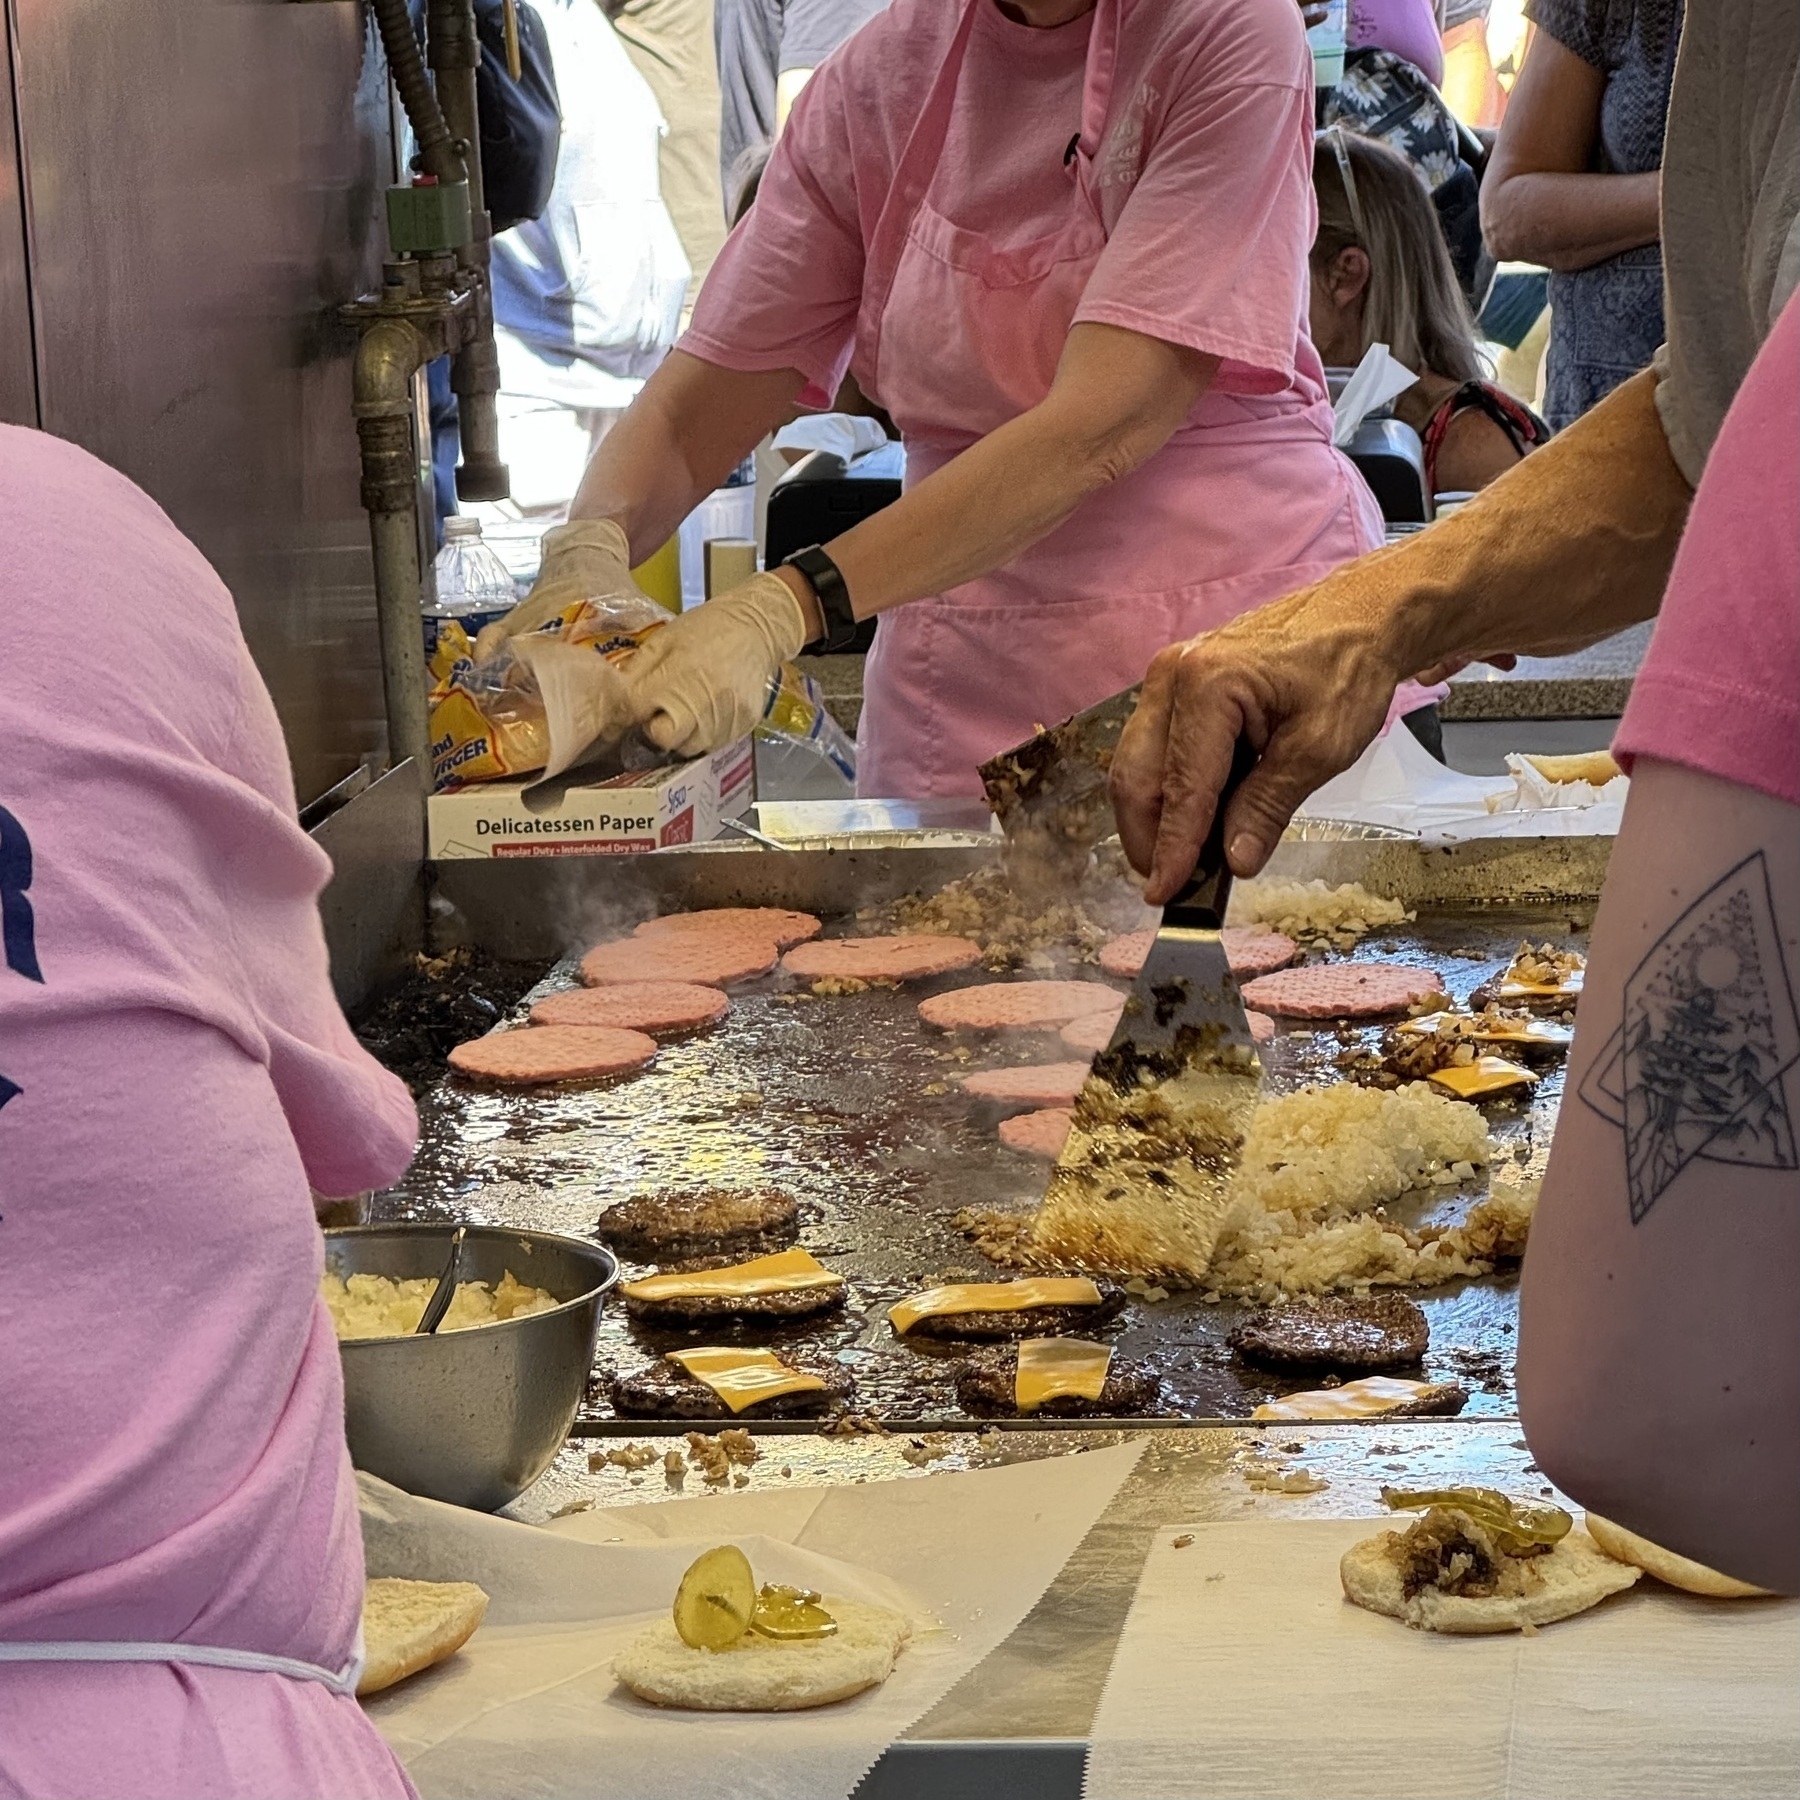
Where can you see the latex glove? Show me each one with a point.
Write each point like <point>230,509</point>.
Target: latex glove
<point>702,681</point>
<point>584,558</point>
<point>1569,546</point>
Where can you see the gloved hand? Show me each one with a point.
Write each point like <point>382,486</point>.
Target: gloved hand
<point>1569,546</point>
<point>701,681</point>
<point>584,558</point>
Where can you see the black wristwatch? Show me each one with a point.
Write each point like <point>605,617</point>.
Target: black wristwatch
<point>834,600</point>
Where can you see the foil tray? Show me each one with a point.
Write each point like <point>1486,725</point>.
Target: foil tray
<point>851,1104</point>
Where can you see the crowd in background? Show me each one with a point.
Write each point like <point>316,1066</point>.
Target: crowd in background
<point>1487,182</point>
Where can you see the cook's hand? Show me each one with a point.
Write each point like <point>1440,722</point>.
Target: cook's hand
<point>1309,685</point>
<point>581,560</point>
<point>702,680</point>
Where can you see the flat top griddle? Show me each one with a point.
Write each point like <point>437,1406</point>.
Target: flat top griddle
<point>832,1099</point>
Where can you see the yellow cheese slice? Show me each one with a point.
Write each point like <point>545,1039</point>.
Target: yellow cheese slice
<point>1509,987</point>
<point>1365,1399</point>
<point>742,1377</point>
<point>993,1296</point>
<point>1485,1075</point>
<point>1050,1368</point>
<point>1543,1032</point>
<point>790,1272</point>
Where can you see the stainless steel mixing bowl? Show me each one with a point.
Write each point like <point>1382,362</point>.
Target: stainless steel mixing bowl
<point>472,1417</point>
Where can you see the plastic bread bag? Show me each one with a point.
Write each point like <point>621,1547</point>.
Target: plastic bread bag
<point>543,701</point>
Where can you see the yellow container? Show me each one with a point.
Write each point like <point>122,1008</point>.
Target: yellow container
<point>659,575</point>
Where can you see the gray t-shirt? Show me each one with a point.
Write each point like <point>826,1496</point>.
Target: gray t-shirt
<point>1730,200</point>
<point>759,40</point>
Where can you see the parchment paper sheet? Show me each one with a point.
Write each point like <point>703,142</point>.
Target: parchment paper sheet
<point>529,1708</point>
<point>1243,1671</point>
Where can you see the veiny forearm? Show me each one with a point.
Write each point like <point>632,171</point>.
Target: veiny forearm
<point>1571,545</point>
<point>1569,221</point>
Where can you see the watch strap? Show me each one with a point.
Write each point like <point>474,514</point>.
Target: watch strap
<point>834,600</point>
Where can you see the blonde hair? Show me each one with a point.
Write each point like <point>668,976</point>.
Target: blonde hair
<point>1412,303</point>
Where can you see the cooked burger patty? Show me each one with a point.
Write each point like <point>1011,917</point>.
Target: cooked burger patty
<point>738,1222</point>
<point>1025,1321</point>
<point>1384,1331</point>
<point>666,1390</point>
<point>987,1383</point>
<point>773,1309</point>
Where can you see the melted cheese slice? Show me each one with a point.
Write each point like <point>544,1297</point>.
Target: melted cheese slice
<point>1510,987</point>
<point>1543,1032</point>
<point>742,1377</point>
<point>1485,1075</point>
<point>993,1296</point>
<point>1055,1367</point>
<point>788,1273</point>
<point>1365,1399</point>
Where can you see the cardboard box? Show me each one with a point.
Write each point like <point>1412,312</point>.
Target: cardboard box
<point>648,810</point>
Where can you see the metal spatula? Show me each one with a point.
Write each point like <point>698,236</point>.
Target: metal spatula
<point>1142,1184</point>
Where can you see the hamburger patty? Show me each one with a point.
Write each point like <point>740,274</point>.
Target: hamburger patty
<point>1384,1331</point>
<point>986,1383</point>
<point>771,1309</point>
<point>666,1390</point>
<point>1025,1321</point>
<point>736,1222</point>
<point>1352,990</point>
<point>1040,1133</point>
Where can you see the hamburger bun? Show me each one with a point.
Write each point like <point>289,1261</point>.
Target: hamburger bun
<point>1596,767</point>
<point>1564,1581</point>
<point>1665,1565</point>
<point>759,1674</point>
<point>409,1625</point>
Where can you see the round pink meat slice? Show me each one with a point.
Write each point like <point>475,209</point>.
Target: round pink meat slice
<point>1017,1005</point>
<point>779,923</point>
<point>1352,990</point>
<point>1249,949</point>
<point>705,961</point>
<point>1038,1133</point>
<point>1036,1084</point>
<point>1262,1027</point>
<point>652,1006</point>
<point>1093,1031</point>
<point>552,1053</point>
<point>904,958</point>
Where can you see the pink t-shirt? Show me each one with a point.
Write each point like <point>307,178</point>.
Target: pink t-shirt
<point>1197,158</point>
<point>1720,688</point>
<point>174,1071</point>
<point>1409,28</point>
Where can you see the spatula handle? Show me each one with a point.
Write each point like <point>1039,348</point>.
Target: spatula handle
<point>1201,904</point>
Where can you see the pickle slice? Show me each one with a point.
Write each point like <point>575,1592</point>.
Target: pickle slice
<point>715,1600</point>
<point>790,1613</point>
<point>1518,1525</point>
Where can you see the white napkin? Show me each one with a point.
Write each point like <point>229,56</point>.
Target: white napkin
<point>1376,380</point>
<point>1397,782</point>
<point>1243,1671</point>
<point>529,1707</point>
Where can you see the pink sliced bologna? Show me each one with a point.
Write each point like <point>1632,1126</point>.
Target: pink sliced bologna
<point>1035,1084</point>
<point>904,958</point>
<point>651,1006</point>
<point>1039,1133</point>
<point>1017,1005</point>
<point>1251,951</point>
<point>783,926</point>
<point>552,1053</point>
<point>705,961</point>
<point>1352,990</point>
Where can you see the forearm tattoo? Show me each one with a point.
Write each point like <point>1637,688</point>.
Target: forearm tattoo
<point>1710,1028</point>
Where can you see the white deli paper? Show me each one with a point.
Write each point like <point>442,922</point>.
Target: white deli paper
<point>529,1706</point>
<point>1398,782</point>
<point>1242,1671</point>
<point>1377,379</point>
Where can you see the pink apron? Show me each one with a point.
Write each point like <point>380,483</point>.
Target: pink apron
<point>956,337</point>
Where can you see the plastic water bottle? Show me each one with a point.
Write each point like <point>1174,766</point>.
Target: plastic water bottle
<point>474,586</point>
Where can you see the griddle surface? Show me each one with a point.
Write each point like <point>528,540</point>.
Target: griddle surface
<point>832,1099</point>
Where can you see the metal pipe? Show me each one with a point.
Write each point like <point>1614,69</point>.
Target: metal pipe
<point>438,152</point>
<point>390,354</point>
